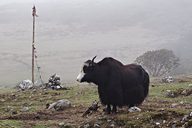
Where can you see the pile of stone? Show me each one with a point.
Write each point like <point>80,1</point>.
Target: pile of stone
<point>178,92</point>
<point>185,122</point>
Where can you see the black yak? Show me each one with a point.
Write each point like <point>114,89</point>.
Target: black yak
<point>118,84</point>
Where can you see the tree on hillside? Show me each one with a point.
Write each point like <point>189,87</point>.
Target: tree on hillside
<point>158,62</point>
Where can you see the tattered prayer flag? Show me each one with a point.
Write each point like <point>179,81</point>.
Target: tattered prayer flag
<point>34,12</point>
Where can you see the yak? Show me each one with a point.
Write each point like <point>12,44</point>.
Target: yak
<point>118,84</point>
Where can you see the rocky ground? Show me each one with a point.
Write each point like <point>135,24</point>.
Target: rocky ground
<point>24,109</point>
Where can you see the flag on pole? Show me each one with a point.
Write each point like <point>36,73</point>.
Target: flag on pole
<point>34,11</point>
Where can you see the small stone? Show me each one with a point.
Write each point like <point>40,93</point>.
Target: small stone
<point>2,100</point>
<point>25,109</point>
<point>134,109</point>
<point>186,125</point>
<point>181,102</point>
<point>86,126</point>
<point>60,105</point>
<point>184,92</point>
<point>112,125</point>
<point>174,105</point>
<point>185,118</point>
<point>170,94</point>
<point>157,123</point>
<point>190,114</point>
<point>96,125</point>
<point>63,125</point>
<point>109,120</point>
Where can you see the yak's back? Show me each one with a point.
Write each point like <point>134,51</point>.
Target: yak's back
<point>109,61</point>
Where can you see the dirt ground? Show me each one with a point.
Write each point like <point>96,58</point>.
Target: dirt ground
<point>157,111</point>
<point>153,115</point>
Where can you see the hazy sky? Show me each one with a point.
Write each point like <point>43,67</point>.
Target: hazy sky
<point>68,32</point>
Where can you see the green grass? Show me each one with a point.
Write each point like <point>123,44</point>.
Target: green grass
<point>158,92</point>
<point>10,124</point>
<point>84,95</point>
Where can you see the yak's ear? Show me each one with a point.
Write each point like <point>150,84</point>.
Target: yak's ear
<point>93,59</point>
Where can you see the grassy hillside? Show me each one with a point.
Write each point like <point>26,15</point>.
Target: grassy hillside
<point>158,110</point>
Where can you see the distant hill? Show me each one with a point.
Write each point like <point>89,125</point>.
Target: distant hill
<point>70,32</point>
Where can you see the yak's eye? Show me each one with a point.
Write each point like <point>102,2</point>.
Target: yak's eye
<point>85,69</point>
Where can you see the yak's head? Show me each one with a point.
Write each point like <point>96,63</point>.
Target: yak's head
<point>87,73</point>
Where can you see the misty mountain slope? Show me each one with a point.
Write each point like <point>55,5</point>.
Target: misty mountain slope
<point>70,32</point>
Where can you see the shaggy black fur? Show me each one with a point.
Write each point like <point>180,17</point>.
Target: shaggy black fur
<point>118,84</point>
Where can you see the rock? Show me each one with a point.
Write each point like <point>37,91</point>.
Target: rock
<point>112,125</point>
<point>63,125</point>
<point>170,94</point>
<point>184,92</point>
<point>25,109</point>
<point>91,109</point>
<point>174,105</point>
<point>190,85</point>
<point>109,120</point>
<point>181,102</point>
<point>157,123</point>
<point>96,125</point>
<point>186,125</point>
<point>185,118</point>
<point>86,126</point>
<point>25,84</point>
<point>190,114</point>
<point>60,105</point>
<point>134,109</point>
<point>2,100</point>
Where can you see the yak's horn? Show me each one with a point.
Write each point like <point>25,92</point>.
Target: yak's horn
<point>93,59</point>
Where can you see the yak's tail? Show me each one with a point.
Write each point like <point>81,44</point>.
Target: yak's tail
<point>146,83</point>
<point>145,80</point>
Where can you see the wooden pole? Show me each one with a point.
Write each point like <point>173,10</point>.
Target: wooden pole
<point>33,42</point>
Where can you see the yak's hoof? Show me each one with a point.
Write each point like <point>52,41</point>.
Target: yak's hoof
<point>114,111</point>
<point>106,111</point>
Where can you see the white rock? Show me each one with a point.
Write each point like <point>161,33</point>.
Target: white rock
<point>25,109</point>
<point>190,114</point>
<point>96,126</point>
<point>157,123</point>
<point>174,105</point>
<point>60,105</point>
<point>112,125</point>
<point>134,109</point>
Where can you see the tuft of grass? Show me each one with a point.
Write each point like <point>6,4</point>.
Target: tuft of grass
<point>10,124</point>
<point>158,92</point>
<point>39,126</point>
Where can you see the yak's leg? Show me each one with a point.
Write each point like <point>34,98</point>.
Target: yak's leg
<point>108,109</point>
<point>114,109</point>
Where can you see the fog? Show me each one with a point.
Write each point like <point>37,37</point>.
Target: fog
<point>70,32</point>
